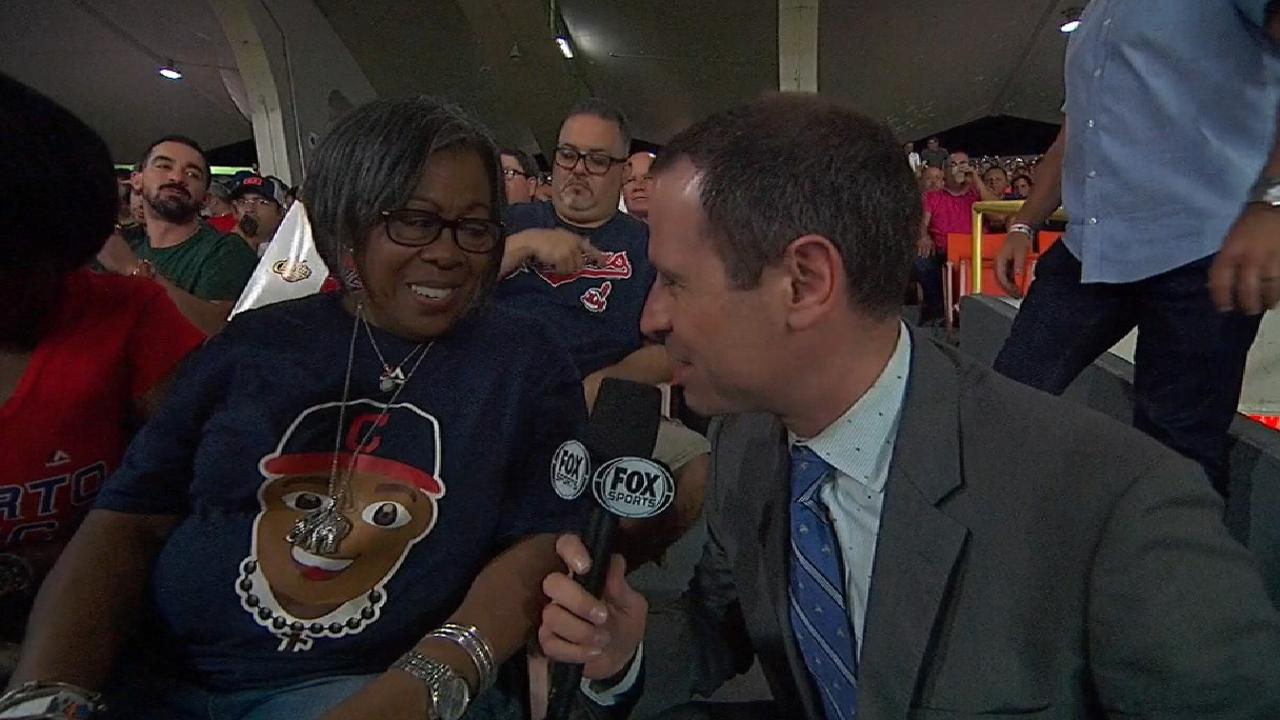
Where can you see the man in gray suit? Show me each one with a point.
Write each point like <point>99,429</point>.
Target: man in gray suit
<point>895,531</point>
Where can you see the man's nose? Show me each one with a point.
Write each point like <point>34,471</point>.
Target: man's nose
<point>655,320</point>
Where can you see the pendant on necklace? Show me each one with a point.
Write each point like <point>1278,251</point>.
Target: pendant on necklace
<point>320,531</point>
<point>390,379</point>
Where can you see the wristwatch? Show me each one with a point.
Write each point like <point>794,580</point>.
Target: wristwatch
<point>1265,191</point>
<point>449,692</point>
<point>15,574</point>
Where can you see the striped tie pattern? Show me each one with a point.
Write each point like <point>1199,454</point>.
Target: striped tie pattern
<point>819,617</point>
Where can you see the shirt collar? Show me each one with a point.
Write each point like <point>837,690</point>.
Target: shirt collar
<point>860,442</point>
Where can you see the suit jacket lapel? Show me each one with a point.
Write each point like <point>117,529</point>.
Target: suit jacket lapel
<point>919,545</point>
<point>774,534</point>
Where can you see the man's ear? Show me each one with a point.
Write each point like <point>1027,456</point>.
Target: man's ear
<point>814,270</point>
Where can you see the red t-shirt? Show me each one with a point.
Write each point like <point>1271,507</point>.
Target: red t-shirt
<point>70,417</point>
<point>949,214</point>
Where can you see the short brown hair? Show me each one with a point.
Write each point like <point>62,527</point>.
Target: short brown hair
<point>795,164</point>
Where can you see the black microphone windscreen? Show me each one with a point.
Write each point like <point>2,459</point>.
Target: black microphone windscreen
<point>624,420</point>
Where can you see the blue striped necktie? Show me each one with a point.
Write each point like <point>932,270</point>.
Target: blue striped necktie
<point>819,615</point>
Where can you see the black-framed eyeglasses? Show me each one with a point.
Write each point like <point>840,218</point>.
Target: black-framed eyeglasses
<point>597,163</point>
<point>511,173</point>
<point>420,228</point>
<point>259,201</point>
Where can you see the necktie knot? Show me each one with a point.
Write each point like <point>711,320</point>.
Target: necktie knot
<point>808,469</point>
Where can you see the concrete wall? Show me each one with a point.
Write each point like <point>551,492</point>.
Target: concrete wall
<point>297,73</point>
<point>1253,503</point>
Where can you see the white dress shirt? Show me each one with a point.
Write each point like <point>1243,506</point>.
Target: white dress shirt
<point>859,445</point>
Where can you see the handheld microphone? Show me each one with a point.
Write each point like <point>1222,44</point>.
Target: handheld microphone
<point>614,458</point>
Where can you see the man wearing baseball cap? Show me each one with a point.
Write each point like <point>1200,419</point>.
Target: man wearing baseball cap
<point>259,204</point>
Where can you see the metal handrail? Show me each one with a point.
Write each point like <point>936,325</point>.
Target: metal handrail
<point>1001,207</point>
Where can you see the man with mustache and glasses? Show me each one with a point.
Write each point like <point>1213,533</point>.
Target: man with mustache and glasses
<point>202,270</point>
<point>578,261</point>
<point>583,265</point>
<point>259,204</point>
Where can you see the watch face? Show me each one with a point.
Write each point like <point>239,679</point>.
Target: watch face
<point>452,699</point>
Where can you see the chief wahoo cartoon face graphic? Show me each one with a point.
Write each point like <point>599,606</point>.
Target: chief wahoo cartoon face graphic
<point>390,504</point>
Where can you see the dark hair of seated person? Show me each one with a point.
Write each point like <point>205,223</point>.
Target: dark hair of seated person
<point>390,141</point>
<point>60,202</point>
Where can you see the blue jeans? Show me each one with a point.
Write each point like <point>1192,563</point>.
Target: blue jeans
<point>146,696</point>
<point>928,272</point>
<point>154,698</point>
<point>1189,362</point>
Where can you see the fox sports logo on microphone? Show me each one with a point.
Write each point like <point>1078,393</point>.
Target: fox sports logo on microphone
<point>633,487</point>
<point>570,470</point>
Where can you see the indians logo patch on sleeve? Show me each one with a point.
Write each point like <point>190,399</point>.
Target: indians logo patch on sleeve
<point>300,596</point>
<point>615,266</point>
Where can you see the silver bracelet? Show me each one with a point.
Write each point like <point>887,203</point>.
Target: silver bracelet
<point>1022,228</point>
<point>468,638</point>
<point>36,697</point>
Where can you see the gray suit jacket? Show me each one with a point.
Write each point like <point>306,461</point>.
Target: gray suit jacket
<point>1035,560</point>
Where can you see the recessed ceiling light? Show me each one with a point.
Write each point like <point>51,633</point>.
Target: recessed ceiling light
<point>170,72</point>
<point>1070,20</point>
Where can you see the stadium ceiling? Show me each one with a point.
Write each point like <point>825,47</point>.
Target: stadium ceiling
<point>923,65</point>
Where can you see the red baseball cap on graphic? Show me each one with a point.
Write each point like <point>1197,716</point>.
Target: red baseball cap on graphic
<point>385,438</point>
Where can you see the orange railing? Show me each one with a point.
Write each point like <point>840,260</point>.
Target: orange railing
<point>997,207</point>
<point>959,278</point>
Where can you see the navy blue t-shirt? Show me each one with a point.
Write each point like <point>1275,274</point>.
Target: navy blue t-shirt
<point>597,311</point>
<point>447,477</point>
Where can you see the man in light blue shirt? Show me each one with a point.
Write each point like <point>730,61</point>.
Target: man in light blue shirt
<point>1190,88</point>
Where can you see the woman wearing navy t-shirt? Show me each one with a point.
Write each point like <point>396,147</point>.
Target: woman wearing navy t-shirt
<point>335,479</point>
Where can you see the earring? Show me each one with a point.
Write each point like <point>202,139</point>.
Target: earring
<point>351,273</point>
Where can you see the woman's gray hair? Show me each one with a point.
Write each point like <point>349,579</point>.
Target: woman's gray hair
<point>372,159</point>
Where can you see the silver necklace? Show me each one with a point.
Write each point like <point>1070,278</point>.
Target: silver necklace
<point>323,529</point>
<point>392,377</point>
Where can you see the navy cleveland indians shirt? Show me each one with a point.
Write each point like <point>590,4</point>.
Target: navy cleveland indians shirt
<point>451,474</point>
<point>596,311</point>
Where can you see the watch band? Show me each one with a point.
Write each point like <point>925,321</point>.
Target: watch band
<point>1265,191</point>
<point>449,693</point>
